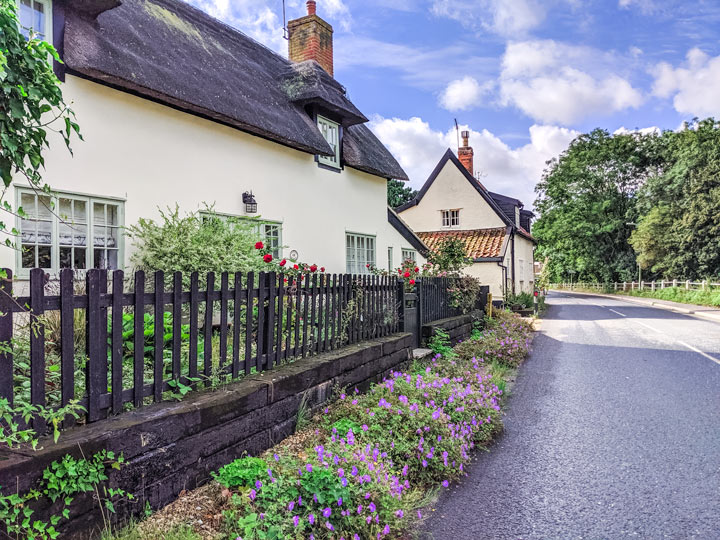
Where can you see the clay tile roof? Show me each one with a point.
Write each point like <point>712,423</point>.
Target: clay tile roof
<point>479,244</point>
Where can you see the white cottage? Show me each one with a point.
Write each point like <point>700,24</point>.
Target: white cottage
<point>494,228</point>
<point>177,107</point>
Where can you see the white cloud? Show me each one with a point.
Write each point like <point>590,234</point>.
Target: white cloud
<point>463,94</point>
<point>427,68</point>
<point>554,82</point>
<point>510,171</point>
<point>504,17</point>
<point>645,6</point>
<point>694,86</point>
<point>653,130</point>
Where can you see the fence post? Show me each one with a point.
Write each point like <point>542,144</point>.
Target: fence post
<point>6,333</point>
<point>400,298</point>
<point>674,282</point>
<point>37,344</point>
<point>419,302</point>
<point>687,285</point>
<point>95,346</point>
<point>652,285</point>
<point>704,284</point>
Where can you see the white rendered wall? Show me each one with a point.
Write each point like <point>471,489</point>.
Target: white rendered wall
<point>451,190</point>
<point>153,156</point>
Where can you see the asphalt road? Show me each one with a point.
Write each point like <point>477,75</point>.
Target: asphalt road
<point>612,431</point>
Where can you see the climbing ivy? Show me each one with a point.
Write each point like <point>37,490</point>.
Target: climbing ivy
<point>31,106</point>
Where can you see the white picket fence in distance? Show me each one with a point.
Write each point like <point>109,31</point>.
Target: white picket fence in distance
<point>638,286</point>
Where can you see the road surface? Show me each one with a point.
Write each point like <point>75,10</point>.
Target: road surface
<point>612,431</point>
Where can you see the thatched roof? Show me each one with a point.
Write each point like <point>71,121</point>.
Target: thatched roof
<point>173,53</point>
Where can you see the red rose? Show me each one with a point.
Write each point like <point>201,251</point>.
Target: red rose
<point>367,265</point>
<point>412,282</point>
<point>406,274</point>
<point>267,258</point>
<point>313,268</point>
<point>399,271</point>
<point>283,262</point>
<point>322,268</point>
<point>259,245</point>
<point>296,267</point>
<point>417,269</point>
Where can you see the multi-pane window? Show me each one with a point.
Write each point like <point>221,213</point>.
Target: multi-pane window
<point>331,132</point>
<point>360,253</point>
<point>390,259</point>
<point>409,255</point>
<point>451,218</point>
<point>36,16</point>
<point>69,231</point>
<point>270,232</point>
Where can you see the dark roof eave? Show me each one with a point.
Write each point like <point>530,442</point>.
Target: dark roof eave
<point>450,156</point>
<point>406,232</point>
<point>487,259</point>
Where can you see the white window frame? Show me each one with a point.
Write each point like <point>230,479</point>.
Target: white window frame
<point>262,228</point>
<point>391,267</point>
<point>360,250</point>
<point>327,127</point>
<point>47,33</point>
<point>450,218</point>
<point>56,219</point>
<point>409,254</point>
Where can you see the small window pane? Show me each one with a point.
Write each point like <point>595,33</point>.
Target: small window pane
<point>80,258</point>
<point>44,257</point>
<point>28,256</point>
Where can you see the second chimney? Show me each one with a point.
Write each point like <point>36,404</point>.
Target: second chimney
<point>465,153</point>
<point>311,38</point>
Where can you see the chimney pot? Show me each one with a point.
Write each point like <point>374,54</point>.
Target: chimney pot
<point>311,7</point>
<point>465,153</point>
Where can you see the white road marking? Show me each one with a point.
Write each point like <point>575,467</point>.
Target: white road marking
<point>706,355</point>
<point>694,349</point>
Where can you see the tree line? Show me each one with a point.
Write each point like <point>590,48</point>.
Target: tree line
<point>612,207</point>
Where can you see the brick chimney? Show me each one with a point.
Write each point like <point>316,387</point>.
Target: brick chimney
<point>311,38</point>
<point>465,153</point>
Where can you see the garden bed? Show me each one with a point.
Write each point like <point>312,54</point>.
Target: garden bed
<point>368,464</point>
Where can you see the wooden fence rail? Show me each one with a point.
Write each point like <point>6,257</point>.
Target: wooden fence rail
<point>137,342</point>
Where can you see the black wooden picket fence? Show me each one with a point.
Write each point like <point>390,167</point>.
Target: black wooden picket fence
<point>225,328</point>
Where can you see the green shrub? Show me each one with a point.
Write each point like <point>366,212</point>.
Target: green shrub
<point>196,243</point>
<point>242,472</point>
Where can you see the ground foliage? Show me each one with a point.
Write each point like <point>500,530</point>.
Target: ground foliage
<point>369,463</point>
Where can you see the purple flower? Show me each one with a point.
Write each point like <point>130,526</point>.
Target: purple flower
<point>296,520</point>
<point>308,467</point>
<point>311,519</point>
<point>252,495</point>
<point>258,484</point>
<point>327,512</point>
<point>371,507</point>
<point>399,513</point>
<point>277,458</point>
<point>445,483</point>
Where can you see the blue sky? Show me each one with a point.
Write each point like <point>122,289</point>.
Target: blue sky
<point>525,76</point>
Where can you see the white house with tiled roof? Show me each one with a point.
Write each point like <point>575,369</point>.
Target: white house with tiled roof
<point>493,227</point>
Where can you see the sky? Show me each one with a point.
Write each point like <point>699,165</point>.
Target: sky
<point>524,76</point>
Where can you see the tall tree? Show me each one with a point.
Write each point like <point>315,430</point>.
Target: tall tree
<point>678,235</point>
<point>398,193</point>
<point>586,203</point>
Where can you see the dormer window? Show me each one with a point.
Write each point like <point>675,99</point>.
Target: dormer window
<point>450,218</point>
<point>36,16</point>
<point>331,132</point>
